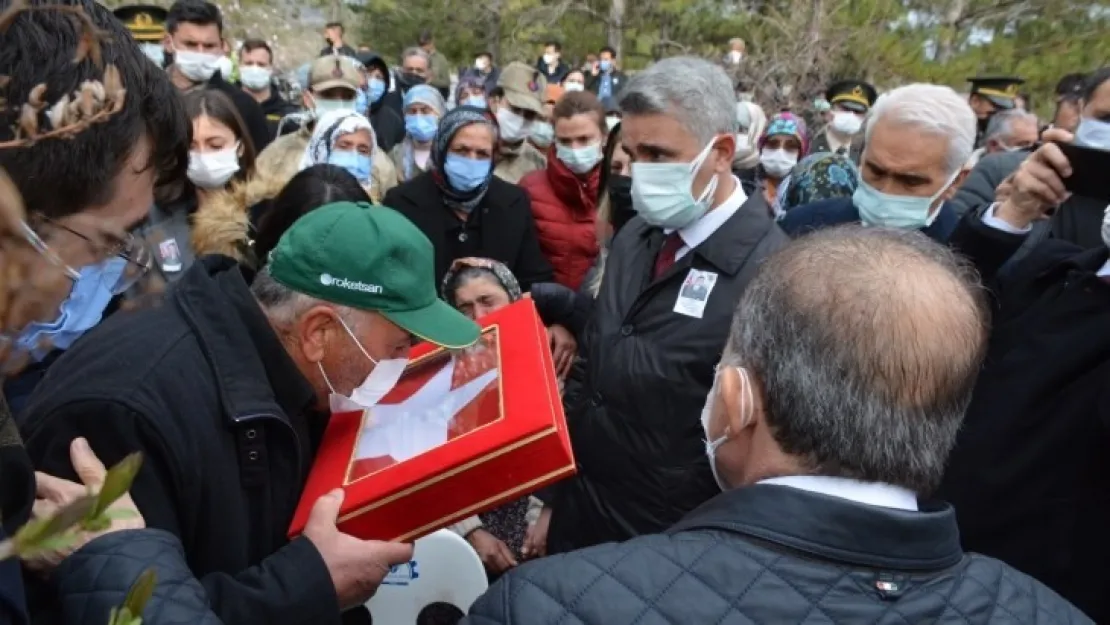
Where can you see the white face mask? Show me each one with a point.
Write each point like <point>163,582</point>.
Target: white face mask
<point>225,67</point>
<point>550,59</point>
<point>383,377</point>
<point>154,52</point>
<point>196,66</point>
<point>579,160</point>
<point>612,121</point>
<point>712,445</point>
<point>212,170</point>
<point>778,163</point>
<point>736,56</point>
<point>481,64</point>
<point>322,106</point>
<point>573,86</point>
<point>662,193</point>
<point>846,122</point>
<point>255,78</point>
<point>513,127</point>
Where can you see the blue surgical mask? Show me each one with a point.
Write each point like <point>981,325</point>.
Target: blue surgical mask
<point>542,134</point>
<point>421,127</point>
<point>605,65</point>
<point>362,101</point>
<point>375,89</point>
<point>896,211</point>
<point>466,174</point>
<point>662,193</point>
<point>1093,133</point>
<point>358,165</point>
<point>579,160</point>
<point>476,101</point>
<point>79,313</point>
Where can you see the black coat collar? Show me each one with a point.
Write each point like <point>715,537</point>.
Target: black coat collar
<point>834,529</point>
<point>732,243</point>
<point>255,373</point>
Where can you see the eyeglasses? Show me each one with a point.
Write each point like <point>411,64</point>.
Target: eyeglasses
<point>134,251</point>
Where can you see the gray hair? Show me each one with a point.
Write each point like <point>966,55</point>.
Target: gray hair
<point>415,51</point>
<point>867,343</point>
<point>934,110</point>
<point>283,306</point>
<point>1001,123</point>
<point>694,91</point>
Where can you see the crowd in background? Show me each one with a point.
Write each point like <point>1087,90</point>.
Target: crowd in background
<point>847,366</point>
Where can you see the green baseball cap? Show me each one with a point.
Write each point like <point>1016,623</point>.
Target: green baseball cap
<point>370,258</point>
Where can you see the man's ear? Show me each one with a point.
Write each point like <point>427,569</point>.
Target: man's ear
<point>725,148</point>
<point>314,331</point>
<point>167,44</point>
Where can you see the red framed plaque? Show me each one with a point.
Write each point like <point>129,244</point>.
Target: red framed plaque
<point>462,432</point>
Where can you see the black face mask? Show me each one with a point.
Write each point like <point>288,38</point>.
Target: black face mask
<point>409,80</point>
<point>620,201</point>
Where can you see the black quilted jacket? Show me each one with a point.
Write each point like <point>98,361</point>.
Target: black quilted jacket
<point>97,577</point>
<point>774,554</point>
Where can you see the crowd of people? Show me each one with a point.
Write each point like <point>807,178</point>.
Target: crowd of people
<point>844,368</point>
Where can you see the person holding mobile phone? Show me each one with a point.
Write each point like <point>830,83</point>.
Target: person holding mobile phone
<point>1028,474</point>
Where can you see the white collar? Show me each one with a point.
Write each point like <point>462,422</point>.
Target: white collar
<point>696,233</point>
<point>870,493</point>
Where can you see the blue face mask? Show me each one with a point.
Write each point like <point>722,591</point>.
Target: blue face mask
<point>605,65</point>
<point>358,164</point>
<point>896,211</point>
<point>80,312</point>
<point>1093,133</point>
<point>421,127</point>
<point>466,174</point>
<point>362,101</point>
<point>476,101</point>
<point>375,89</point>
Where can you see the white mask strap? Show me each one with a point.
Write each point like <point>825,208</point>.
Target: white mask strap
<point>320,365</point>
<point>352,335</point>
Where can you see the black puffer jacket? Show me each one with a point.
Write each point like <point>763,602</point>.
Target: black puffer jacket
<point>389,125</point>
<point>775,554</point>
<point>97,577</point>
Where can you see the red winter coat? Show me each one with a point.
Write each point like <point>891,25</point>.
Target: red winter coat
<point>565,207</point>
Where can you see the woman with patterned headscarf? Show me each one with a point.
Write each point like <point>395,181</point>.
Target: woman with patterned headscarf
<point>463,209</point>
<point>821,176</point>
<point>346,139</point>
<point>782,144</point>
<point>424,107</point>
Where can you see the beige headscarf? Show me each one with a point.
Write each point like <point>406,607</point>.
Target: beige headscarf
<point>750,116</point>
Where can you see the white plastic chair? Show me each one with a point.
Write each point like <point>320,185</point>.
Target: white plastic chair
<point>444,569</point>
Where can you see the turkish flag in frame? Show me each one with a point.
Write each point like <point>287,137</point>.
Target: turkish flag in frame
<point>462,432</point>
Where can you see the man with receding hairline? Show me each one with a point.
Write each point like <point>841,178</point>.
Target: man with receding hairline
<point>851,359</point>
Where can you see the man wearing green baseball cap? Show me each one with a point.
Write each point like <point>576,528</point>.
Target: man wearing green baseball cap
<point>226,388</point>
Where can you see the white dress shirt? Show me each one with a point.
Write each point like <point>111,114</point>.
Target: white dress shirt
<point>992,221</point>
<point>696,233</point>
<point>870,493</point>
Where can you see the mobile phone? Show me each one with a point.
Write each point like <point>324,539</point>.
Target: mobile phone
<point>1090,171</point>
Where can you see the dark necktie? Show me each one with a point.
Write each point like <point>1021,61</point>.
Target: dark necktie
<point>667,254</point>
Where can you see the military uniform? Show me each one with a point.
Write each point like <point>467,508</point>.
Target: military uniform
<point>524,87</point>
<point>147,24</point>
<point>851,95</point>
<point>1001,91</point>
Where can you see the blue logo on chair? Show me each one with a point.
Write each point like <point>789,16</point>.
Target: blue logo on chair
<point>402,574</point>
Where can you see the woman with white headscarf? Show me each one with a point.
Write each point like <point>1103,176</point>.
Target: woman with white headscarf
<point>346,139</point>
<point>751,121</point>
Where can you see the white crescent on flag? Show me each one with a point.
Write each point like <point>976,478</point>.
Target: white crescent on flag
<point>409,426</point>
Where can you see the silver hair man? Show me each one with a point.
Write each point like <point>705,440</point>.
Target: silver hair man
<point>932,109</point>
<point>696,92</point>
<point>866,344</point>
<point>1012,128</point>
